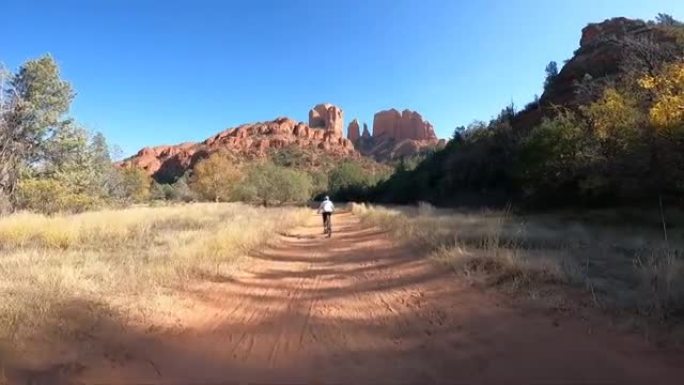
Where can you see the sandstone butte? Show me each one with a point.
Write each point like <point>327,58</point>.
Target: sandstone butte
<point>405,125</point>
<point>323,134</point>
<point>395,134</point>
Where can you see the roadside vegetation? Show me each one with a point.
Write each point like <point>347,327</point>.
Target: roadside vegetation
<point>619,258</point>
<point>127,261</point>
<point>617,141</point>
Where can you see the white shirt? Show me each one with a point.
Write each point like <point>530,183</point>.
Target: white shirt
<point>327,207</point>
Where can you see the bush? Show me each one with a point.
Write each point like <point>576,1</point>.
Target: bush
<point>160,191</point>
<point>178,191</point>
<point>51,196</point>
<point>268,183</point>
<point>346,175</point>
<point>319,181</point>
<point>351,181</point>
<point>552,155</point>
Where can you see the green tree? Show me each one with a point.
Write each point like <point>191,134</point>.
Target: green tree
<point>268,184</point>
<point>104,173</point>
<point>667,20</point>
<point>32,108</point>
<point>319,180</point>
<point>346,175</point>
<point>553,157</point>
<point>80,161</point>
<point>551,71</point>
<point>353,180</point>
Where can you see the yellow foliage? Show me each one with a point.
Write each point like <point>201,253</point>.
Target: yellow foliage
<point>613,115</point>
<point>51,196</point>
<point>215,177</point>
<point>667,110</point>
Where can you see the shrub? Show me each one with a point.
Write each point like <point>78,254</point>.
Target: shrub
<point>268,183</point>
<point>352,180</point>
<point>551,155</point>
<point>50,196</point>
<point>319,181</point>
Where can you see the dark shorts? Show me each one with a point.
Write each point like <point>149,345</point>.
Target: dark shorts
<point>326,216</point>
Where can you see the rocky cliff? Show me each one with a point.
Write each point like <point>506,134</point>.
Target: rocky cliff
<point>405,125</point>
<point>395,135</point>
<point>606,51</point>
<point>254,140</point>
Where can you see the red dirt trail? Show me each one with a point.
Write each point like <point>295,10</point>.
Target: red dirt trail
<point>360,309</point>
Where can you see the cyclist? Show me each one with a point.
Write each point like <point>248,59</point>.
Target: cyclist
<point>326,208</point>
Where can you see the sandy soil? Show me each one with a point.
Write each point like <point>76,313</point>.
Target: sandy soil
<point>357,309</point>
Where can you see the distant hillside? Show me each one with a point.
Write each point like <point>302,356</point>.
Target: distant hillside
<point>318,144</point>
<point>321,138</point>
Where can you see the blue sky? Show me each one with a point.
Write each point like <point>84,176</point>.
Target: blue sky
<point>162,72</point>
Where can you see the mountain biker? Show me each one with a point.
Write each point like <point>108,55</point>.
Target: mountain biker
<point>326,208</point>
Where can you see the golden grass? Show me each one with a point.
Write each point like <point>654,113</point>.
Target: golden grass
<point>126,260</point>
<point>625,266</point>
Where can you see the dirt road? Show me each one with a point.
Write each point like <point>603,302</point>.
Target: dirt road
<point>358,309</point>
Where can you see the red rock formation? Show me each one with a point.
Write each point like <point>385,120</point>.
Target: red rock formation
<point>400,126</point>
<point>396,135</point>
<point>327,116</point>
<point>385,123</point>
<point>353,131</point>
<point>165,163</point>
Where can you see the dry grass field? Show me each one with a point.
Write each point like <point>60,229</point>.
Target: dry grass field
<point>130,262</point>
<point>620,258</point>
